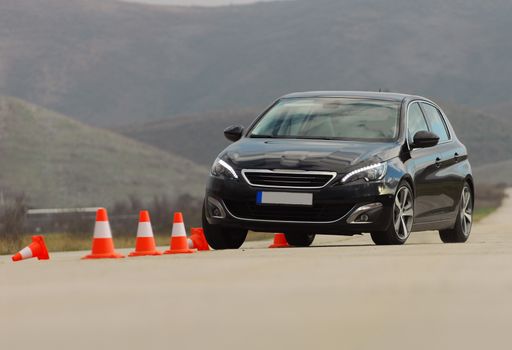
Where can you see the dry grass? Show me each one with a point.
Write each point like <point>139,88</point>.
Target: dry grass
<point>488,199</point>
<point>60,242</point>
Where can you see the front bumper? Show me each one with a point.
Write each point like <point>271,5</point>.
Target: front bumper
<point>336,208</point>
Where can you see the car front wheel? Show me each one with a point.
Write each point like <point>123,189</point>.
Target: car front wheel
<point>221,237</point>
<point>402,215</point>
<point>299,239</point>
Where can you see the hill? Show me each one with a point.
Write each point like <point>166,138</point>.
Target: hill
<point>59,162</point>
<point>501,111</point>
<point>487,137</point>
<point>494,173</point>
<point>198,137</point>
<point>110,62</point>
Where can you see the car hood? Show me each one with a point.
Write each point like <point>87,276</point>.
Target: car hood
<point>327,155</point>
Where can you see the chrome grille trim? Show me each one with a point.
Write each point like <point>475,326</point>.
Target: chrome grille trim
<point>288,171</point>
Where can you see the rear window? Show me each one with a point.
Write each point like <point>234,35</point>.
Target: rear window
<point>436,121</point>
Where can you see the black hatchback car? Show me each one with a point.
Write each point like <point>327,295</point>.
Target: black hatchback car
<point>341,163</point>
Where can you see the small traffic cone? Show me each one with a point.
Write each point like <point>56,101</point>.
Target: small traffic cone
<point>145,242</point>
<point>197,239</point>
<point>179,244</point>
<point>102,242</point>
<point>36,249</point>
<point>279,241</point>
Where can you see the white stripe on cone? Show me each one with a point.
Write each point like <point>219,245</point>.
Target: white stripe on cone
<point>144,230</point>
<point>26,253</point>
<point>190,244</point>
<point>102,230</point>
<point>178,230</point>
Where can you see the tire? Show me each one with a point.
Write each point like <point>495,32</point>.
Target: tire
<point>300,239</point>
<point>460,233</point>
<point>220,237</point>
<point>402,218</point>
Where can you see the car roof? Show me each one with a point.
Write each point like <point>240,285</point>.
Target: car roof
<point>389,96</point>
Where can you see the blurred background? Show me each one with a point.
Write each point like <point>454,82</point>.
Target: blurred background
<point>122,104</point>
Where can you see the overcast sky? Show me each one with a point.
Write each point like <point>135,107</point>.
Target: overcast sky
<point>197,2</point>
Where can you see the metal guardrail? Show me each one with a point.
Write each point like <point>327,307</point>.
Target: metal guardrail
<point>61,211</point>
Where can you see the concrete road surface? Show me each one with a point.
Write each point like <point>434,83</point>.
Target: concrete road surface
<point>341,294</point>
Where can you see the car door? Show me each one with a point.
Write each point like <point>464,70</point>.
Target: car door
<point>423,165</point>
<point>448,181</point>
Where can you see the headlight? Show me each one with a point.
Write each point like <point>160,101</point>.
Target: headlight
<point>221,168</point>
<point>369,173</point>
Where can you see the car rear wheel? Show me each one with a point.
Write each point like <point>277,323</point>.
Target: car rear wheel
<point>300,239</point>
<point>460,233</point>
<point>403,216</point>
<point>221,237</point>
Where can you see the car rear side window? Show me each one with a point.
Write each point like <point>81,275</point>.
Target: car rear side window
<point>436,122</point>
<point>416,122</point>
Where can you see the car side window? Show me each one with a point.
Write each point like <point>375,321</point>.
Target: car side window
<point>416,122</point>
<point>436,122</point>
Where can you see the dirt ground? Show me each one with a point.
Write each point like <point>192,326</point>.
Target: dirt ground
<point>343,293</point>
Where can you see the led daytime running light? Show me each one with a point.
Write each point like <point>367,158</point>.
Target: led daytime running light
<point>363,169</point>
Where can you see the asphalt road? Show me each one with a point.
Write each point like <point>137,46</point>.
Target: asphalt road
<point>341,294</point>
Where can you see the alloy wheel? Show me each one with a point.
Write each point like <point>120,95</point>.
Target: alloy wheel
<point>403,212</point>
<point>466,211</point>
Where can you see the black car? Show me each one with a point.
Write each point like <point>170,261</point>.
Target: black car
<point>341,163</point>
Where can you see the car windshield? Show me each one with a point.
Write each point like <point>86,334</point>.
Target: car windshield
<point>330,118</point>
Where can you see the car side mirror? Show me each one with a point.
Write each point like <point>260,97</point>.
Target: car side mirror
<point>234,132</point>
<point>424,139</point>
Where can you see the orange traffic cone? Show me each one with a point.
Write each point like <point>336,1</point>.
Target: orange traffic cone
<point>179,244</point>
<point>36,249</point>
<point>279,241</point>
<point>145,242</point>
<point>102,242</point>
<point>197,239</point>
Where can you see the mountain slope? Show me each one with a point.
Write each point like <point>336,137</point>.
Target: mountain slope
<point>501,111</point>
<point>494,173</point>
<point>487,137</point>
<point>59,162</point>
<point>198,137</point>
<point>109,62</point>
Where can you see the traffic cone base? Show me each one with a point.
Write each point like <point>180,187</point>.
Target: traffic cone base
<point>104,256</point>
<point>279,241</point>
<point>177,246</point>
<point>145,246</point>
<point>36,249</point>
<point>180,251</point>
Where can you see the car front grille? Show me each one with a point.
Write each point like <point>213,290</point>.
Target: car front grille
<point>316,213</point>
<point>287,179</point>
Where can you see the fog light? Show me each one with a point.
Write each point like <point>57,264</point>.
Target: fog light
<point>361,215</point>
<point>215,209</point>
<point>364,218</point>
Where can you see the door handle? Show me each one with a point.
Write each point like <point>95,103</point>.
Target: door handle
<point>456,157</point>
<point>438,162</point>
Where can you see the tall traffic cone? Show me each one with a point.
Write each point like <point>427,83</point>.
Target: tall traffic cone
<point>102,242</point>
<point>197,239</point>
<point>36,249</point>
<point>179,244</point>
<point>279,241</point>
<point>145,242</point>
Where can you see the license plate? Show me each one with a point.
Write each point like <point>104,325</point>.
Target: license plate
<point>291,198</point>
